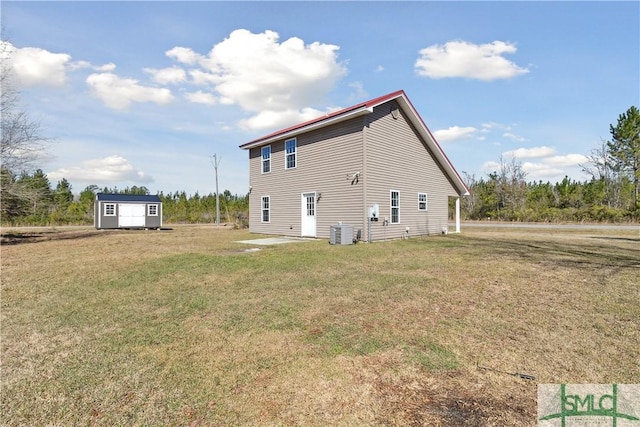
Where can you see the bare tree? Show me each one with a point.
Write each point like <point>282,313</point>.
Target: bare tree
<point>22,143</point>
<point>600,168</point>
<point>471,202</point>
<point>512,186</point>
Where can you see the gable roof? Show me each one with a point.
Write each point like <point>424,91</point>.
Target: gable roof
<point>105,197</point>
<point>362,109</point>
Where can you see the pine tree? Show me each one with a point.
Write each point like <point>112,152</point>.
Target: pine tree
<point>625,148</point>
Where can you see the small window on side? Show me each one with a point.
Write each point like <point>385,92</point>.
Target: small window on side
<point>109,209</point>
<point>422,201</point>
<point>266,209</point>
<point>395,207</point>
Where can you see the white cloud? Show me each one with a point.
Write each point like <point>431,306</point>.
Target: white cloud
<point>490,166</point>
<point>105,68</point>
<point>541,170</point>
<point>379,69</point>
<point>118,93</point>
<point>454,133</point>
<point>79,65</point>
<point>277,80</point>
<point>548,166</point>
<point>34,66</point>
<point>200,77</point>
<point>169,75</point>
<point>358,91</point>
<point>514,137</point>
<point>201,97</point>
<point>527,153</point>
<point>486,127</point>
<point>268,119</point>
<point>184,55</point>
<point>468,60</point>
<point>567,160</point>
<point>108,170</point>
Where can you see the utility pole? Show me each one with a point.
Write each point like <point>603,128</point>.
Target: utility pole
<point>216,162</point>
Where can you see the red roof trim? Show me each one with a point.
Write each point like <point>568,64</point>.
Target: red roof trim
<point>367,104</point>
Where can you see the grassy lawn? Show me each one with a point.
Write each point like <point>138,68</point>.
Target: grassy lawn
<point>185,327</point>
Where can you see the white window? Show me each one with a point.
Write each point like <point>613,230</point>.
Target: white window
<point>266,159</point>
<point>266,208</point>
<point>152,210</point>
<point>291,148</point>
<point>109,209</point>
<point>395,207</point>
<point>422,201</point>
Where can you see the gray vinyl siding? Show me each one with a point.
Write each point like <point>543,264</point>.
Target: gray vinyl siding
<point>326,158</point>
<point>397,159</point>
<point>102,220</point>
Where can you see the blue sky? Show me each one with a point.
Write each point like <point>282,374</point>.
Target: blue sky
<point>144,93</point>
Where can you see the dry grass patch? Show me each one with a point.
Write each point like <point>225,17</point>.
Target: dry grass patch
<point>182,327</point>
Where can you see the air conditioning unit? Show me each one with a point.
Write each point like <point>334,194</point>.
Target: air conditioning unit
<point>341,235</point>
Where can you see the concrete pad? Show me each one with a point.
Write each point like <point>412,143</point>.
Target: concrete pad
<point>275,240</point>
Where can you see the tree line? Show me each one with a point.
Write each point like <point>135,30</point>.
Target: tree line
<point>505,197</point>
<point>611,195</point>
<point>38,203</point>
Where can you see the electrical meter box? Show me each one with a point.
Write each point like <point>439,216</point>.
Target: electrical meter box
<point>374,212</point>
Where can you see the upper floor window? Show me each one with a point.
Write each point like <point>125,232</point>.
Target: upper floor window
<point>152,210</point>
<point>291,148</point>
<point>422,201</point>
<point>266,159</point>
<point>109,209</point>
<point>395,207</point>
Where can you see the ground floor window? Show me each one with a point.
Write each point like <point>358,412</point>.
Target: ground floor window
<point>152,210</point>
<point>395,207</point>
<point>422,201</point>
<point>109,209</point>
<point>266,208</point>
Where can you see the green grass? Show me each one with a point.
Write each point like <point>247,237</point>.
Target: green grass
<point>185,328</point>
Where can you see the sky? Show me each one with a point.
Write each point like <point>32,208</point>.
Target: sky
<point>146,93</point>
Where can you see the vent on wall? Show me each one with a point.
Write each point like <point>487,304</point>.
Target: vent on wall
<point>341,235</point>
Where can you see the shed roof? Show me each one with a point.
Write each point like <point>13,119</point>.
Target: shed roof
<point>361,109</point>
<point>146,198</point>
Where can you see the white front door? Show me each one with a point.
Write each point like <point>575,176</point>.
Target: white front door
<point>131,215</point>
<point>308,208</point>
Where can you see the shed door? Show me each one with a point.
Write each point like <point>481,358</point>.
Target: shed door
<point>131,215</point>
<point>308,215</point>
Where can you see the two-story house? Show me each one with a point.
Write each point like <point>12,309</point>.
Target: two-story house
<point>374,166</point>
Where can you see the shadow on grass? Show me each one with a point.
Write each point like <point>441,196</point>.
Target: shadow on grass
<point>563,254</point>
<point>43,236</point>
<point>35,237</point>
